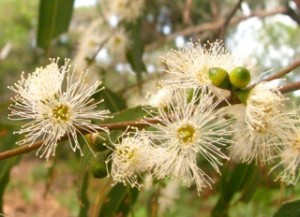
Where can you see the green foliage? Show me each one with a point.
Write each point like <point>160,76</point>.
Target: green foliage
<point>16,18</point>
<point>112,101</point>
<point>289,209</point>
<point>119,201</point>
<point>84,201</point>
<point>98,165</point>
<point>83,183</point>
<point>130,114</point>
<point>54,19</point>
<point>241,179</point>
<point>6,165</point>
<point>135,54</point>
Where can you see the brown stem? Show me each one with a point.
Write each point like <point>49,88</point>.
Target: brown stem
<point>123,125</point>
<point>229,17</point>
<point>210,26</point>
<point>111,126</point>
<point>283,72</point>
<point>20,150</point>
<point>290,87</point>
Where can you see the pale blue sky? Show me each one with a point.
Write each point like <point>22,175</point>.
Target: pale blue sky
<point>79,3</point>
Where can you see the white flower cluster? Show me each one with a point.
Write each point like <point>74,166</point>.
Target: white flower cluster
<point>190,130</point>
<point>188,127</point>
<point>56,106</point>
<point>108,34</point>
<point>191,63</point>
<point>127,10</point>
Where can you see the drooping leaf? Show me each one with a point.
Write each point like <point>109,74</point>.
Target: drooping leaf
<point>83,180</point>
<point>231,183</point>
<point>112,101</point>
<point>54,19</point>
<point>134,54</point>
<point>130,114</point>
<point>84,202</point>
<point>289,209</point>
<point>119,201</point>
<point>7,142</point>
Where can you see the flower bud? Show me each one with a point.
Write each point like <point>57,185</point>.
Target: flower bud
<point>97,142</point>
<point>98,166</point>
<point>243,95</point>
<point>219,77</point>
<point>240,77</point>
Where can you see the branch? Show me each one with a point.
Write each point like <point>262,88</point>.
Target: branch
<point>230,16</point>
<point>187,12</point>
<point>283,72</point>
<point>144,122</point>
<point>290,87</point>
<point>111,126</point>
<point>210,26</point>
<point>279,74</point>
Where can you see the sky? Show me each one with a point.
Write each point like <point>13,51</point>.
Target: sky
<point>79,3</point>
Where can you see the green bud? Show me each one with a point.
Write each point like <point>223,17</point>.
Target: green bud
<point>243,95</point>
<point>97,142</point>
<point>240,77</point>
<point>219,77</point>
<point>98,166</point>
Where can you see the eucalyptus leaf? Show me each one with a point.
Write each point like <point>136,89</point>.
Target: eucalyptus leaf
<point>130,114</point>
<point>119,201</point>
<point>231,183</point>
<point>289,209</point>
<point>134,54</point>
<point>54,19</point>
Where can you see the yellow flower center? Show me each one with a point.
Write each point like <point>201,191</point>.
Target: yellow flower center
<point>61,112</point>
<point>261,128</point>
<point>186,134</point>
<point>125,153</point>
<point>296,143</point>
<point>202,75</point>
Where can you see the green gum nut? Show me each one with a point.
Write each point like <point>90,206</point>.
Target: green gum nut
<point>243,95</point>
<point>98,167</point>
<point>219,77</point>
<point>240,77</point>
<point>97,143</point>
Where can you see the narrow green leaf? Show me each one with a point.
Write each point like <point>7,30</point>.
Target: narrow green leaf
<point>112,101</point>
<point>6,143</point>
<point>84,205</point>
<point>231,183</point>
<point>134,54</point>
<point>130,114</point>
<point>289,209</point>
<point>83,180</point>
<point>54,19</point>
<point>119,201</point>
<point>6,167</point>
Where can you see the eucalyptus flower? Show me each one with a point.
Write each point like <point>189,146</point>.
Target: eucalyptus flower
<point>189,127</point>
<point>288,160</point>
<point>131,155</point>
<point>56,105</point>
<point>190,64</point>
<point>127,10</point>
<point>262,125</point>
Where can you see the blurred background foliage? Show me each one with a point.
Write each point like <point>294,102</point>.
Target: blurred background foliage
<point>64,186</point>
